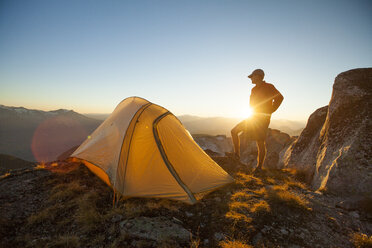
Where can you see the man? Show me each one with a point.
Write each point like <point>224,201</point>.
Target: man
<point>265,99</point>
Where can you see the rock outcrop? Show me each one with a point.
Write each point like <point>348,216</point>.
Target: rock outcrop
<point>276,142</point>
<point>302,154</point>
<point>338,152</point>
<point>219,144</point>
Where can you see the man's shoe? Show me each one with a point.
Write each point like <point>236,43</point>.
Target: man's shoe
<point>233,155</point>
<point>258,170</point>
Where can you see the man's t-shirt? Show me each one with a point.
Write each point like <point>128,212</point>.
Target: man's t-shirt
<point>265,98</point>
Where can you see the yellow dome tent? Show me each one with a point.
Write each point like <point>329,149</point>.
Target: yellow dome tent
<point>143,150</point>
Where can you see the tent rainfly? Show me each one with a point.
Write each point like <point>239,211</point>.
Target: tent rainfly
<point>143,150</point>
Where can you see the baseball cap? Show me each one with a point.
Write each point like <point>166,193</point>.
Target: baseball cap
<point>259,72</point>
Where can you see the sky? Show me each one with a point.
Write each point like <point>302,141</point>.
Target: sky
<point>191,57</point>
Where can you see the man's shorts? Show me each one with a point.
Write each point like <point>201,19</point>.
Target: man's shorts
<point>255,127</point>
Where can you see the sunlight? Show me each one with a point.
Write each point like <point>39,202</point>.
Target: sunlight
<point>246,113</point>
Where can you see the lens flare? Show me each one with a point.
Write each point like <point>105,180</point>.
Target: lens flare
<point>56,135</point>
<point>246,113</point>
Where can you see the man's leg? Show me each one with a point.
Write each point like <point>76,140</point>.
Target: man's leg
<point>261,147</point>
<point>235,137</point>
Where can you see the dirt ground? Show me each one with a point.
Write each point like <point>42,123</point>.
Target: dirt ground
<point>63,204</point>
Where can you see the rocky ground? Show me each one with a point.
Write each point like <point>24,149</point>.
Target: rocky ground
<point>64,205</point>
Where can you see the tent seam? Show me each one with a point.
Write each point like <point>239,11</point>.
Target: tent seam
<point>166,160</point>
<point>142,108</point>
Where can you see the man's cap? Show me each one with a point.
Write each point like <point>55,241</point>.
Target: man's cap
<point>259,72</point>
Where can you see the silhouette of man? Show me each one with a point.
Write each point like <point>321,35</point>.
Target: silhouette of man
<point>265,99</point>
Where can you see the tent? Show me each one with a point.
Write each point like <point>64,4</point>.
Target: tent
<point>143,150</point>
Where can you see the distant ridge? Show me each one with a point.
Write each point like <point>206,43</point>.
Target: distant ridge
<point>49,133</point>
<point>223,125</point>
<point>8,163</point>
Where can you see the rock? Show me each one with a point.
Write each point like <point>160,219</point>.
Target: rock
<point>294,246</point>
<point>219,236</point>
<point>206,242</point>
<point>276,142</point>
<point>177,220</point>
<point>156,229</point>
<point>123,223</point>
<point>257,239</point>
<point>116,218</point>
<point>354,214</point>
<point>265,230</point>
<point>214,145</point>
<point>188,214</point>
<point>284,231</point>
<point>301,155</point>
<point>336,154</point>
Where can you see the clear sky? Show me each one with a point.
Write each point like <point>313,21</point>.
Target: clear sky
<point>192,57</point>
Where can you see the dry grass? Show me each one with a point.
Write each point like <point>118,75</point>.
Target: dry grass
<point>296,184</point>
<point>281,196</point>
<point>64,192</point>
<point>239,205</point>
<point>234,244</point>
<point>163,203</point>
<point>261,207</point>
<point>46,215</point>
<point>361,240</point>
<point>133,209</point>
<point>87,215</point>
<point>235,216</point>
<point>194,242</point>
<point>67,241</point>
<point>241,195</point>
<point>247,180</point>
<point>302,175</point>
<point>260,192</point>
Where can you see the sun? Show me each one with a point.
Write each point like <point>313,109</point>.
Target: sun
<point>246,113</point>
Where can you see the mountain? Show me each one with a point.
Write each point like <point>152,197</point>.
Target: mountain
<point>223,125</point>
<point>8,163</point>
<point>100,117</point>
<point>36,135</point>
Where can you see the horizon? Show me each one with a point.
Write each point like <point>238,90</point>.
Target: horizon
<point>192,115</point>
<point>192,58</point>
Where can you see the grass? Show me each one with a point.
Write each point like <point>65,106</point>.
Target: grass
<point>79,213</point>
<point>301,175</point>
<point>361,240</point>
<point>64,192</point>
<point>163,203</point>
<point>88,217</point>
<point>46,215</point>
<point>65,241</point>
<point>284,198</point>
<point>234,244</point>
<point>235,216</point>
<point>261,207</point>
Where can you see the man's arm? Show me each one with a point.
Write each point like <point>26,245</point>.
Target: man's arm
<point>277,100</point>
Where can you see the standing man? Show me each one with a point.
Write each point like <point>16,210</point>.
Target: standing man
<point>265,99</point>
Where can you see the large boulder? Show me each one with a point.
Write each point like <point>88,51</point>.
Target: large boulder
<point>302,154</point>
<point>339,153</point>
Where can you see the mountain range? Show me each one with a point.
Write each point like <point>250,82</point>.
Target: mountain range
<point>223,125</point>
<point>37,135</point>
